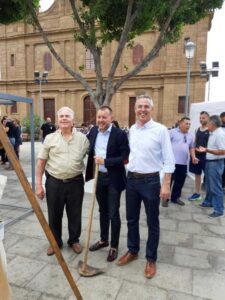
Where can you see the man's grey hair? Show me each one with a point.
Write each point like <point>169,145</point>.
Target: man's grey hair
<point>215,120</point>
<point>67,109</point>
<point>148,98</point>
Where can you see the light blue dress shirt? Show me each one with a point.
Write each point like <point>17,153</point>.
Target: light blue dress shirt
<point>181,144</point>
<point>101,144</point>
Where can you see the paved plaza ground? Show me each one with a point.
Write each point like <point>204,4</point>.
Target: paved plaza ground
<point>191,256</point>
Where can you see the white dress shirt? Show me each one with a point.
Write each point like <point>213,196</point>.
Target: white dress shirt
<point>150,149</point>
<point>216,142</point>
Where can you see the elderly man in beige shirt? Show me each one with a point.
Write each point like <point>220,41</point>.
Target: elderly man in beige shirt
<point>62,159</point>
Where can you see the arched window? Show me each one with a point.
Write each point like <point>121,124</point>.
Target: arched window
<point>138,54</point>
<point>47,61</point>
<point>89,112</point>
<point>89,60</point>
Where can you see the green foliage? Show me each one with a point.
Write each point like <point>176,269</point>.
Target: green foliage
<point>26,124</point>
<point>125,67</point>
<point>15,10</point>
<point>81,68</point>
<point>150,15</point>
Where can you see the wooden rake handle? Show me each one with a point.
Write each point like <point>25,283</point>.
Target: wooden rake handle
<point>91,212</point>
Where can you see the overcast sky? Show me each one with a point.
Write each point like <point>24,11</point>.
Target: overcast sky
<point>215,52</point>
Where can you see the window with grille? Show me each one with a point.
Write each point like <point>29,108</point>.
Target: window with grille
<point>47,61</point>
<point>138,54</point>
<point>89,60</point>
<point>181,104</point>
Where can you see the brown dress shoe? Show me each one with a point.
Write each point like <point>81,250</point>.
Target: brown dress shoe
<point>150,269</point>
<point>113,253</point>
<point>127,258</point>
<point>76,248</point>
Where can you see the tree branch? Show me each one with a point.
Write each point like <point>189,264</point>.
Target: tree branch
<point>77,18</point>
<point>74,74</point>
<point>153,53</point>
<point>123,40</point>
<point>96,52</point>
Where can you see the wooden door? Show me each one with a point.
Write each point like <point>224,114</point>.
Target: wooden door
<point>89,112</point>
<point>49,109</point>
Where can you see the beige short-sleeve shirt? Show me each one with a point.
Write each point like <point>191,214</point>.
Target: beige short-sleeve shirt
<point>65,159</point>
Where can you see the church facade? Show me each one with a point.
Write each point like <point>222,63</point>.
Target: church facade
<point>23,52</point>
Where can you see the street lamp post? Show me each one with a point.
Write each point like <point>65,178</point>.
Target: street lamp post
<point>189,53</point>
<point>41,78</point>
<point>214,72</point>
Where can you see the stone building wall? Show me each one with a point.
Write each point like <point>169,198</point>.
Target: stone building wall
<point>164,79</point>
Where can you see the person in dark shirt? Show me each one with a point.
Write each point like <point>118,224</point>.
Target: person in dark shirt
<point>17,134</point>
<point>2,150</point>
<point>47,128</point>
<point>10,131</point>
<point>201,139</point>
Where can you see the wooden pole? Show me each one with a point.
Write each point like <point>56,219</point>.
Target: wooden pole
<point>36,207</point>
<point>90,218</point>
<point>4,285</point>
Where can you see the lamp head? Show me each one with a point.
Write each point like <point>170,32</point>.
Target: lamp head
<point>36,74</point>
<point>190,49</point>
<point>45,74</point>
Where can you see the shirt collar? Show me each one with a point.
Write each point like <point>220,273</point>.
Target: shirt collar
<point>108,130</point>
<point>146,125</point>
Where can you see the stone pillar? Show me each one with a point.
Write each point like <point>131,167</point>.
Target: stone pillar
<point>61,99</point>
<point>30,66</point>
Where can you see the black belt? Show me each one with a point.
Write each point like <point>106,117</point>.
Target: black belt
<point>64,180</point>
<point>141,175</point>
<point>103,173</point>
<point>215,159</point>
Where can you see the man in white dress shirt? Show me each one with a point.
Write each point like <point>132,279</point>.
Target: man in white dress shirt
<point>150,152</point>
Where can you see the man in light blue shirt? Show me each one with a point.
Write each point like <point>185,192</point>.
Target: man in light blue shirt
<point>150,152</point>
<point>183,145</point>
<point>109,148</point>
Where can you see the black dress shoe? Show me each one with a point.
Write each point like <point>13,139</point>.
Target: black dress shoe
<point>98,245</point>
<point>113,253</point>
<point>179,202</point>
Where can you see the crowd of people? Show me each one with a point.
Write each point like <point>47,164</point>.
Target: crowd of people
<point>132,163</point>
<point>12,128</point>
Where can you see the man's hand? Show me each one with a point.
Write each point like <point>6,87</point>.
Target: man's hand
<point>99,160</point>
<point>165,188</point>
<point>201,149</point>
<point>165,192</point>
<point>195,160</point>
<point>40,192</point>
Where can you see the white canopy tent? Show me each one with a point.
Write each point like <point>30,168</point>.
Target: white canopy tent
<point>213,108</point>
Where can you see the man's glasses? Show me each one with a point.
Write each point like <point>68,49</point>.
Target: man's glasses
<point>185,139</point>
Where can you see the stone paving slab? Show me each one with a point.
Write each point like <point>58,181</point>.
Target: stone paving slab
<point>52,280</point>
<point>191,253</point>
<point>209,284</point>
<point>130,291</point>
<point>22,269</point>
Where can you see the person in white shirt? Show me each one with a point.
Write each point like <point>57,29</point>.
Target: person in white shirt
<point>215,155</point>
<point>150,152</point>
